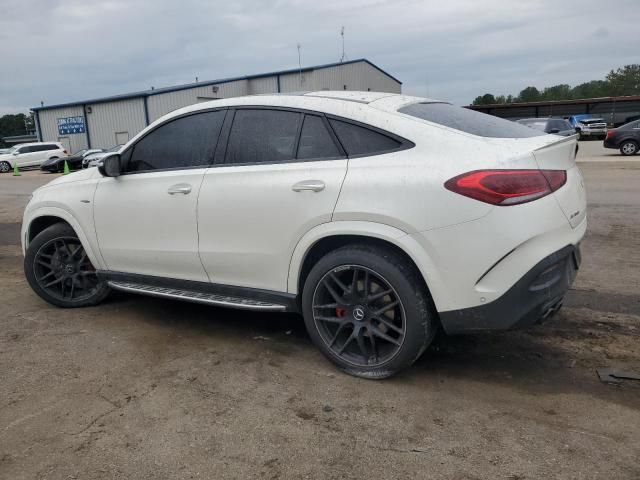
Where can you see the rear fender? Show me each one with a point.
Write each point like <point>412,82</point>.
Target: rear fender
<point>379,231</point>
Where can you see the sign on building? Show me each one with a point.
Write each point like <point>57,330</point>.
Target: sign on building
<point>70,125</point>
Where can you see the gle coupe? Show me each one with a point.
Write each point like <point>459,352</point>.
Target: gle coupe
<point>379,217</point>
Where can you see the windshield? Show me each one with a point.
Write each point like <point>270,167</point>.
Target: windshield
<point>13,149</point>
<point>468,121</point>
<point>114,149</point>
<point>80,152</point>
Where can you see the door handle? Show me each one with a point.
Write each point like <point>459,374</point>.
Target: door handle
<point>183,188</point>
<point>313,185</point>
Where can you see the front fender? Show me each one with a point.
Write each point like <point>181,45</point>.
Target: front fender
<point>87,238</point>
<point>380,231</point>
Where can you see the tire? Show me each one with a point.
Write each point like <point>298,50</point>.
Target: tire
<point>58,270</point>
<point>5,167</point>
<point>628,147</point>
<point>353,332</point>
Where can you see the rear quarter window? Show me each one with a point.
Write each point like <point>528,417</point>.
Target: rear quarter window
<point>469,121</point>
<point>358,140</point>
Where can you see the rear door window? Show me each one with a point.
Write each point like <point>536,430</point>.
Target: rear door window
<point>315,140</point>
<point>182,143</point>
<point>469,121</point>
<point>263,136</point>
<point>358,140</point>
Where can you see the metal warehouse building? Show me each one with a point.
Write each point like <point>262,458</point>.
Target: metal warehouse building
<point>108,121</point>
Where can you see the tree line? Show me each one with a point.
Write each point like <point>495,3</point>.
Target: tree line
<point>623,81</point>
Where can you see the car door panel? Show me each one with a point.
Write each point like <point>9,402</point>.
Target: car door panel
<point>144,229</point>
<point>25,157</point>
<point>250,218</point>
<point>146,219</point>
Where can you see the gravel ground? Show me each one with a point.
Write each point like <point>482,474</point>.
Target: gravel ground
<point>147,388</point>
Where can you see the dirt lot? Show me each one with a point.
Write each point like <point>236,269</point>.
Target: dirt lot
<point>145,388</point>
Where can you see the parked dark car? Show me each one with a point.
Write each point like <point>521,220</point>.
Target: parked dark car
<point>625,138</point>
<point>556,126</point>
<point>74,161</point>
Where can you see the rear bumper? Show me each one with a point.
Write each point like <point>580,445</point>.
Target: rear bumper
<point>532,299</point>
<point>611,143</point>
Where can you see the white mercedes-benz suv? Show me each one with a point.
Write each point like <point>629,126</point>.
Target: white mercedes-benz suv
<point>380,217</point>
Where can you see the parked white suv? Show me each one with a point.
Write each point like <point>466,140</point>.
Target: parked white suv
<point>31,155</point>
<point>379,217</point>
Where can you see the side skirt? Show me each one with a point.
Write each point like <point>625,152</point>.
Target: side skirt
<point>202,292</point>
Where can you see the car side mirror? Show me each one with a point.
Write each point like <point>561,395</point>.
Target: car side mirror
<point>554,130</point>
<point>577,129</point>
<point>15,154</point>
<point>110,165</point>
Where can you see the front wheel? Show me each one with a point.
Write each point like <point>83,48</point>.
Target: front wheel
<point>629,148</point>
<point>5,167</point>
<point>368,311</point>
<point>58,269</point>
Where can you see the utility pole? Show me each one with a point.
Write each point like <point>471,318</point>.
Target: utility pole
<point>343,54</point>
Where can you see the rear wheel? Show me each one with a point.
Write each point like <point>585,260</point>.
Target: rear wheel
<point>368,311</point>
<point>5,167</point>
<point>628,148</point>
<point>58,269</point>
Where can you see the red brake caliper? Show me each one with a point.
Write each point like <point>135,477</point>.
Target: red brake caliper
<point>340,312</point>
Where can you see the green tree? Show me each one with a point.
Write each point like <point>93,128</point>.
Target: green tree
<point>625,80</point>
<point>486,99</point>
<point>529,94</point>
<point>557,92</point>
<point>592,89</point>
<point>19,124</point>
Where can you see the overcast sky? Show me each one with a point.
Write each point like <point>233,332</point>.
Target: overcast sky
<point>67,50</point>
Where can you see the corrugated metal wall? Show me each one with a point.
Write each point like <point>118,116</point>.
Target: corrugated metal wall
<point>49,127</point>
<point>163,103</point>
<point>263,85</point>
<point>111,122</point>
<point>108,119</point>
<point>352,76</point>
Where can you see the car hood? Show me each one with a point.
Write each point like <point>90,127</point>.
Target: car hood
<point>74,177</point>
<point>6,156</point>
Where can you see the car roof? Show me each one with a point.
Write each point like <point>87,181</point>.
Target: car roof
<point>329,101</point>
<point>36,143</point>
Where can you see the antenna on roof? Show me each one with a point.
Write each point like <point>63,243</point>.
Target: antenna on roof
<point>196,79</point>
<point>41,103</point>
<point>344,55</point>
<point>300,64</point>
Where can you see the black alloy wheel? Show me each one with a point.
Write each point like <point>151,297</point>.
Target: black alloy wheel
<point>359,315</point>
<point>63,270</point>
<point>59,270</point>
<point>368,310</point>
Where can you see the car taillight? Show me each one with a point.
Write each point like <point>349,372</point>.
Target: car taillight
<point>507,187</point>
<point>610,133</point>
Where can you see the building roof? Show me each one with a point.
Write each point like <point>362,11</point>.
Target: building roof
<point>580,101</point>
<point>157,91</point>
<point>30,137</point>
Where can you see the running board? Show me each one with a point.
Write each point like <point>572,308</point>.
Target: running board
<point>197,297</point>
